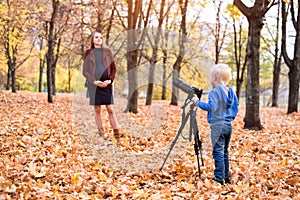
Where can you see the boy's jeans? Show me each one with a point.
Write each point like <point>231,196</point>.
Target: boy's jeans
<point>220,138</point>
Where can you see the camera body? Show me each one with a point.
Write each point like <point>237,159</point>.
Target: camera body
<point>188,89</point>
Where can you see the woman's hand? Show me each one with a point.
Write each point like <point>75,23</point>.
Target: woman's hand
<point>102,84</point>
<point>107,81</point>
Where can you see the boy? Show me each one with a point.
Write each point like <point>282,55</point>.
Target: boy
<point>222,107</point>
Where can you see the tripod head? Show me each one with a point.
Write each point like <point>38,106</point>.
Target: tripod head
<point>190,90</point>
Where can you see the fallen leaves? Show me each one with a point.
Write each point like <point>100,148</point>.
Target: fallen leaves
<point>52,151</point>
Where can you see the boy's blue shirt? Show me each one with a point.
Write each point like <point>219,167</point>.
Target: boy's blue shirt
<point>222,108</point>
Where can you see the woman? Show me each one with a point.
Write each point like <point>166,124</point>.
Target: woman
<point>99,69</point>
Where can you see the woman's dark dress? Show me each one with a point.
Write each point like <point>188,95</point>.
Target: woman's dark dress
<point>100,96</point>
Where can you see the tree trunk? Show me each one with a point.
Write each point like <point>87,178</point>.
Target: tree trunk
<point>238,57</point>
<point>110,24</point>
<point>150,83</point>
<point>132,55</point>
<point>294,88</point>
<point>164,76</point>
<point>49,83</point>
<point>255,15</point>
<point>154,55</point>
<point>133,94</point>
<point>50,53</point>
<point>277,63</point>
<point>175,94</point>
<point>10,63</point>
<point>182,39</point>
<point>53,80</point>
<point>165,43</point>
<point>13,80</point>
<point>69,76</point>
<point>252,119</point>
<point>56,57</point>
<point>276,80</point>
<point>41,71</point>
<point>176,72</point>
<point>219,36</point>
<point>8,79</point>
<point>42,65</point>
<point>293,64</point>
<point>100,15</point>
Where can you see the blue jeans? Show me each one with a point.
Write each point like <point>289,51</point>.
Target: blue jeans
<point>220,138</point>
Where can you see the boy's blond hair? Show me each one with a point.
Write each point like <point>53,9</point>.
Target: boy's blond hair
<point>220,74</point>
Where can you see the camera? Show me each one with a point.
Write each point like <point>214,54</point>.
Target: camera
<point>190,90</point>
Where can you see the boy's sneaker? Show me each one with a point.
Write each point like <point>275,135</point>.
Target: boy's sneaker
<point>227,181</point>
<point>221,181</point>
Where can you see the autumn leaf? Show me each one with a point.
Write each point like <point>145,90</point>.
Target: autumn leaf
<point>52,151</point>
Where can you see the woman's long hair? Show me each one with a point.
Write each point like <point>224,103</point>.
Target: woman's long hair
<point>103,45</point>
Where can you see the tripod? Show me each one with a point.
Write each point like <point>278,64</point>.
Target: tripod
<point>193,131</point>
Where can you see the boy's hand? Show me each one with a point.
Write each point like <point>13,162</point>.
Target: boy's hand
<point>195,98</point>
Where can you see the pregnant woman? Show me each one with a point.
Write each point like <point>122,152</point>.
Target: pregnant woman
<point>99,69</point>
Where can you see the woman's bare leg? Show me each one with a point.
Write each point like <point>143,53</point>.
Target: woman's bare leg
<point>113,122</point>
<point>98,119</point>
<point>112,116</point>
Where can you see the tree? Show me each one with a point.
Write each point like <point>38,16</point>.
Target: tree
<point>218,31</point>
<point>277,62</point>
<point>255,16</point>
<point>183,5</point>
<point>50,53</point>
<point>42,58</point>
<point>15,20</point>
<point>164,46</point>
<point>135,18</point>
<point>56,27</point>
<point>293,64</point>
<point>153,58</point>
<point>239,46</point>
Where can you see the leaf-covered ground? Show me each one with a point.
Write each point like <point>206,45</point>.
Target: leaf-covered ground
<point>52,151</point>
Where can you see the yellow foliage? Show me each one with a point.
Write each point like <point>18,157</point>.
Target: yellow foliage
<point>233,11</point>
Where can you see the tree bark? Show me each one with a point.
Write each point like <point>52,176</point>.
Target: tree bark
<point>241,67</point>
<point>252,119</point>
<point>255,17</point>
<point>50,53</point>
<point>277,64</point>
<point>13,81</point>
<point>132,55</point>
<point>293,64</point>
<point>164,76</point>
<point>8,79</point>
<point>134,12</point>
<point>154,55</point>
<point>132,72</point>
<point>182,40</point>
<point>276,81</point>
<point>165,43</point>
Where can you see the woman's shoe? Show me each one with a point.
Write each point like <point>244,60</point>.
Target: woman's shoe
<point>101,132</point>
<point>117,136</point>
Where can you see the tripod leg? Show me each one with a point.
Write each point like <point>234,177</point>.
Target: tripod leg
<point>176,138</point>
<point>197,154</point>
<point>197,142</point>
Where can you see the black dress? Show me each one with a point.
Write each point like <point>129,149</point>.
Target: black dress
<point>100,96</point>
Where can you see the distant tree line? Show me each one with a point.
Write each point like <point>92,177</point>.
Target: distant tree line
<point>157,33</point>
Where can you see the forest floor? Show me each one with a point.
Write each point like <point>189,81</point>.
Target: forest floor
<point>52,151</point>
